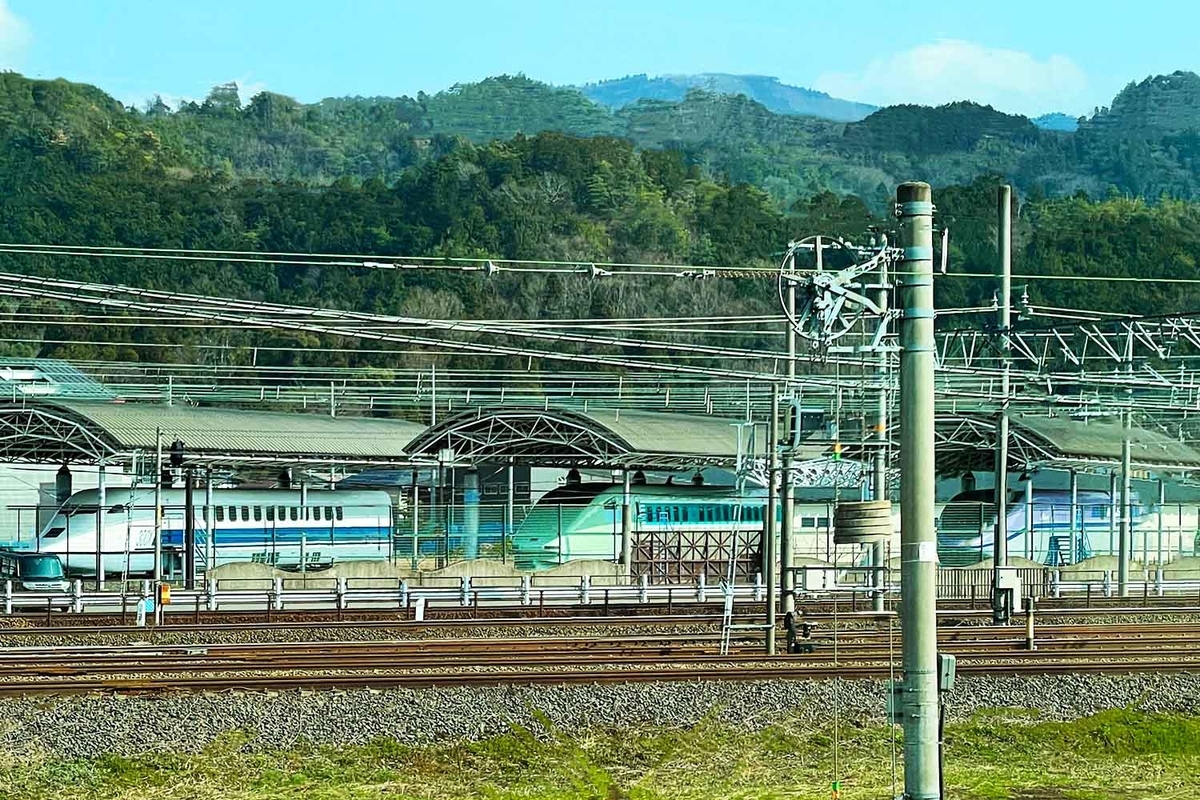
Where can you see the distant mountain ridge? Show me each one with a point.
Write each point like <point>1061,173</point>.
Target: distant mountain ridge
<point>777,96</point>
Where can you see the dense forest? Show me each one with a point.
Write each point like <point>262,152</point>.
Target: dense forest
<point>512,169</point>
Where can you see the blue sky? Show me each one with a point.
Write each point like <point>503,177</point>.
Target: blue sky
<point>1019,55</point>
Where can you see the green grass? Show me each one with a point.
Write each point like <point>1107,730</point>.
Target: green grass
<point>1118,754</point>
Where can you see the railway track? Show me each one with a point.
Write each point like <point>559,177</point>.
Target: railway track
<point>150,667</point>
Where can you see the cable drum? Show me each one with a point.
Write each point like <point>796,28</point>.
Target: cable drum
<point>862,522</point>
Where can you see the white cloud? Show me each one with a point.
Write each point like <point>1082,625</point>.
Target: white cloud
<point>15,38</point>
<point>247,88</point>
<point>953,69</point>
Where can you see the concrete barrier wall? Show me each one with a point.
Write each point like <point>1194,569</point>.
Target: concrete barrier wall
<point>384,575</point>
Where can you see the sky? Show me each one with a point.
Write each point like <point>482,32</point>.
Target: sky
<point>1020,56</point>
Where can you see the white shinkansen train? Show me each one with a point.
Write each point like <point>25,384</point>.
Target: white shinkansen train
<point>271,526</point>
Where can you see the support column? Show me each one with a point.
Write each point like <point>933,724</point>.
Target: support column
<point>189,532</point>
<point>415,520</point>
<point>210,523</point>
<point>1030,529</point>
<point>101,510</point>
<point>1113,511</point>
<point>918,544</point>
<point>510,506</point>
<point>471,514</point>
<point>627,525</point>
<point>158,509</point>
<point>771,521</point>
<point>1162,502</point>
<point>1126,498</point>
<point>1004,322</point>
<point>1073,548</point>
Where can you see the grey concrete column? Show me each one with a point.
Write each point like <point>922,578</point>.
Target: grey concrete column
<point>1004,322</point>
<point>918,544</point>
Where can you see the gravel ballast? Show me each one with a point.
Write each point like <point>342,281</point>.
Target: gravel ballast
<point>89,726</point>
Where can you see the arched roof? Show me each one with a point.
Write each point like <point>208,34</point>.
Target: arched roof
<point>86,431</point>
<point>608,438</point>
<point>967,441</point>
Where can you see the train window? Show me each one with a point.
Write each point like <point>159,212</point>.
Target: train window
<point>674,513</point>
<point>823,522</point>
<point>338,511</point>
<point>282,513</point>
<point>270,513</point>
<point>1099,512</point>
<point>294,512</point>
<point>258,513</point>
<point>329,513</point>
<point>245,513</point>
<point>220,513</point>
<point>808,522</point>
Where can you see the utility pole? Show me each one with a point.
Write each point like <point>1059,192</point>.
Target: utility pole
<point>787,494</point>
<point>770,529</point>
<point>1003,321</point>
<point>879,488</point>
<point>918,543</point>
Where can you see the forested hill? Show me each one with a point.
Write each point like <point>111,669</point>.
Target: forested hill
<point>1145,144</point>
<point>710,180</point>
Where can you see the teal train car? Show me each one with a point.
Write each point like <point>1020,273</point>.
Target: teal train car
<point>583,521</point>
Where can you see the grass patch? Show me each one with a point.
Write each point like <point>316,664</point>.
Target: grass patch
<point>1116,754</point>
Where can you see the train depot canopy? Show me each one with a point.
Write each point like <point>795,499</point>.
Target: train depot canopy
<point>968,441</point>
<point>609,438</point>
<point>87,431</point>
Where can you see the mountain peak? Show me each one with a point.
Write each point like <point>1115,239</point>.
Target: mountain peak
<point>769,91</point>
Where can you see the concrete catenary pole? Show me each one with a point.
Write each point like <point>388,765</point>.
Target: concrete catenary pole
<point>787,495</point>
<point>918,542</point>
<point>1126,498</point>
<point>770,522</point>
<point>879,489</point>
<point>1004,322</point>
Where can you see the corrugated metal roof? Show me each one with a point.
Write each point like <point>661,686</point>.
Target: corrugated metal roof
<point>663,432</point>
<point>228,431</point>
<point>1100,439</point>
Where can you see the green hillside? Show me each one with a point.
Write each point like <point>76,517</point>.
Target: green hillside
<point>713,180</point>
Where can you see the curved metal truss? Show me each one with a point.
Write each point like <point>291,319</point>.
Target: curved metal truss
<point>44,435</point>
<point>553,437</point>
